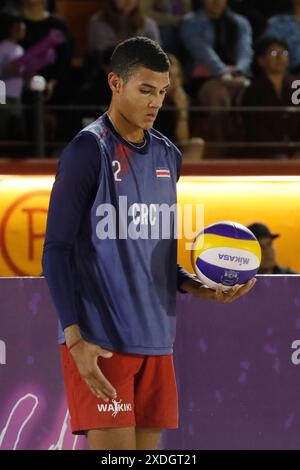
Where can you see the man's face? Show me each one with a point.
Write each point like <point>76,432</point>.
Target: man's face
<point>214,8</point>
<point>275,60</point>
<point>140,98</point>
<point>268,255</point>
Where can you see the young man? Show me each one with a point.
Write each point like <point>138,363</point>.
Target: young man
<point>113,285</point>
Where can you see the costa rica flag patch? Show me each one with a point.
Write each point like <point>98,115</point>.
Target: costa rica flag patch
<point>163,173</point>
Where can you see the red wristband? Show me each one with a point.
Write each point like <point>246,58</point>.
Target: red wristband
<point>75,343</point>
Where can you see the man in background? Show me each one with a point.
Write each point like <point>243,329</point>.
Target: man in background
<point>265,238</point>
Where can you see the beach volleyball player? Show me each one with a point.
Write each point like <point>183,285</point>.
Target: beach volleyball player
<point>113,285</point>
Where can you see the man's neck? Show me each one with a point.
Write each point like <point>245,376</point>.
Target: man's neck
<point>125,128</point>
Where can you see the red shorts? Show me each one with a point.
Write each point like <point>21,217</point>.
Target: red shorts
<point>146,393</point>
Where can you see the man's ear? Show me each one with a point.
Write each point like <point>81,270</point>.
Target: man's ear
<point>114,82</point>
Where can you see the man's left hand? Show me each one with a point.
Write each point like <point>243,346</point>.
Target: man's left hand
<point>202,292</point>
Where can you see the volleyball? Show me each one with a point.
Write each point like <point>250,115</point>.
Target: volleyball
<point>225,253</point>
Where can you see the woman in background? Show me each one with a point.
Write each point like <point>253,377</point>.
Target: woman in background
<point>287,28</point>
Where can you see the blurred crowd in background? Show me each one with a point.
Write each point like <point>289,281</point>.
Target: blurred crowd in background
<point>233,63</point>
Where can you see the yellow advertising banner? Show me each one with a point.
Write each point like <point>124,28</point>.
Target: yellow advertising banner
<point>274,201</point>
<point>23,213</point>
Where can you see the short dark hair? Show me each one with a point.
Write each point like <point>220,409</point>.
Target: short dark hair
<point>266,41</point>
<point>138,52</point>
<point>7,21</point>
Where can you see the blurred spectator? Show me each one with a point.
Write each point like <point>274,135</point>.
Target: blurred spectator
<point>219,42</point>
<point>287,27</point>
<point>271,88</point>
<point>116,21</point>
<point>174,123</point>
<point>168,15</point>
<point>12,30</point>
<point>268,260</point>
<point>39,22</point>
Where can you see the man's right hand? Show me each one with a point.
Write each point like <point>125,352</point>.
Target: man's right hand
<point>86,356</point>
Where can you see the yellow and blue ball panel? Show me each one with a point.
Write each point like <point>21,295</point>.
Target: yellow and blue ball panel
<point>226,253</point>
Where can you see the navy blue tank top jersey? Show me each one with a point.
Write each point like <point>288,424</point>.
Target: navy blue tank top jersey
<point>110,253</point>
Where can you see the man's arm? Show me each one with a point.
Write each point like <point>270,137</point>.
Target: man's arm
<point>72,194</point>
<point>72,334</point>
<point>75,182</point>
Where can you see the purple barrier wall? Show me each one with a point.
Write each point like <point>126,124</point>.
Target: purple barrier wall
<point>238,386</point>
<point>33,412</point>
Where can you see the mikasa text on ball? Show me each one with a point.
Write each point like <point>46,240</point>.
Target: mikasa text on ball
<point>225,253</point>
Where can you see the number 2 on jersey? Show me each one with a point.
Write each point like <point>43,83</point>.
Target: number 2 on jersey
<point>116,164</point>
